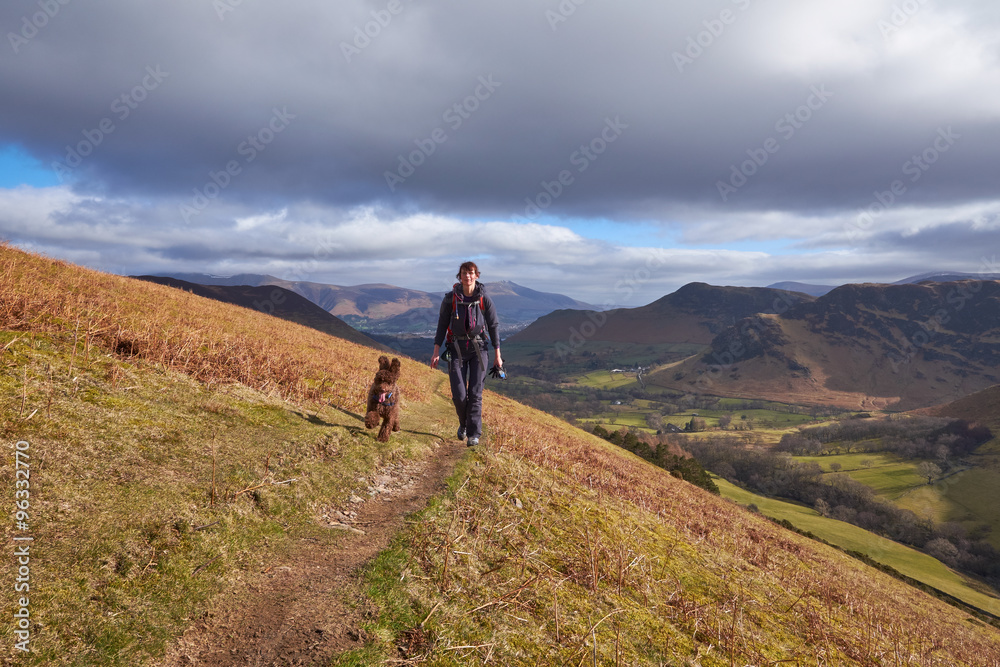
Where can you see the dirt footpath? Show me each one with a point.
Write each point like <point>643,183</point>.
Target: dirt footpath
<point>294,612</point>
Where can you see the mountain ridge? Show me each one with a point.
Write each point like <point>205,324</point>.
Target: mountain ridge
<point>274,300</point>
<point>860,345</point>
<point>384,308</point>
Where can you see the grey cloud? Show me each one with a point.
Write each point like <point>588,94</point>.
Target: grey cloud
<point>559,81</point>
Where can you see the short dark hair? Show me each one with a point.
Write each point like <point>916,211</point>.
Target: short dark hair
<point>467,266</point>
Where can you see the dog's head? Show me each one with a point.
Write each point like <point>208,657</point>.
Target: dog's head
<point>391,367</point>
<point>385,379</point>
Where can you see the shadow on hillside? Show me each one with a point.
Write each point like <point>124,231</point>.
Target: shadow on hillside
<point>314,419</point>
<point>358,430</point>
<point>430,435</point>
<point>354,415</point>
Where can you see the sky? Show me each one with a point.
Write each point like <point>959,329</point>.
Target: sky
<point>612,152</point>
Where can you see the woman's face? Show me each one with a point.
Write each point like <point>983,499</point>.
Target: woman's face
<point>468,277</point>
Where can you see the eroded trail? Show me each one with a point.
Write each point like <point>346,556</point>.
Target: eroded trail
<point>294,613</point>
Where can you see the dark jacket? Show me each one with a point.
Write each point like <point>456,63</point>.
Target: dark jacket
<point>492,323</point>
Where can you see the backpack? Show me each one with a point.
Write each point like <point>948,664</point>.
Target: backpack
<point>475,315</point>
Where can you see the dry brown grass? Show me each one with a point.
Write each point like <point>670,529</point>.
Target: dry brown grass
<point>559,549</point>
<point>213,343</point>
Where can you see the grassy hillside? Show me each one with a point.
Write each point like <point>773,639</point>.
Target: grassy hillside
<point>174,445</point>
<point>273,300</point>
<point>178,446</point>
<point>903,559</point>
<point>560,549</point>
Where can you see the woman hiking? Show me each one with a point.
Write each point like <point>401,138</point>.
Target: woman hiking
<point>467,315</point>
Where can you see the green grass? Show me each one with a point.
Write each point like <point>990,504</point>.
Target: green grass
<point>905,560</point>
<point>968,497</point>
<point>605,379</point>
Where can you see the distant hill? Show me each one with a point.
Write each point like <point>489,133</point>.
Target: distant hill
<point>946,277</point>
<point>982,407</point>
<point>805,288</point>
<point>695,313</point>
<point>276,301</point>
<point>931,276</point>
<point>389,309</point>
<point>859,346</point>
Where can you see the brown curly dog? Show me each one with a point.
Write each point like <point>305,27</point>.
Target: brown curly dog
<point>383,399</point>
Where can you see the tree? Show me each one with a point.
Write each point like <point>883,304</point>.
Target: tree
<point>822,507</point>
<point>943,550</point>
<point>928,470</point>
<point>697,424</point>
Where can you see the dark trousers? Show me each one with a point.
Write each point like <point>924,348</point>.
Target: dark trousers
<point>467,377</point>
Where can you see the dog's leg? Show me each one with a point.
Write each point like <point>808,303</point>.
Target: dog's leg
<point>371,416</point>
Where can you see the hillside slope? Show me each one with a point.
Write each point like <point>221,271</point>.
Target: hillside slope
<point>274,300</point>
<point>859,346</point>
<point>181,448</point>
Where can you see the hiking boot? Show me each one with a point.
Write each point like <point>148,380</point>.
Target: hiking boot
<point>472,442</point>
<point>461,433</point>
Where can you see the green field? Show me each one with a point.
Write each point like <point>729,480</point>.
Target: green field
<point>606,380</point>
<point>888,475</point>
<point>967,497</point>
<point>905,560</point>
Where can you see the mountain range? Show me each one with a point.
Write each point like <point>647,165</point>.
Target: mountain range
<point>866,346</point>
<point>858,346</point>
<point>922,341</point>
<point>932,276</point>
<point>380,308</point>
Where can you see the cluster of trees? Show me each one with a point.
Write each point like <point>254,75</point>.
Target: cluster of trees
<point>840,497</point>
<point>659,451</point>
